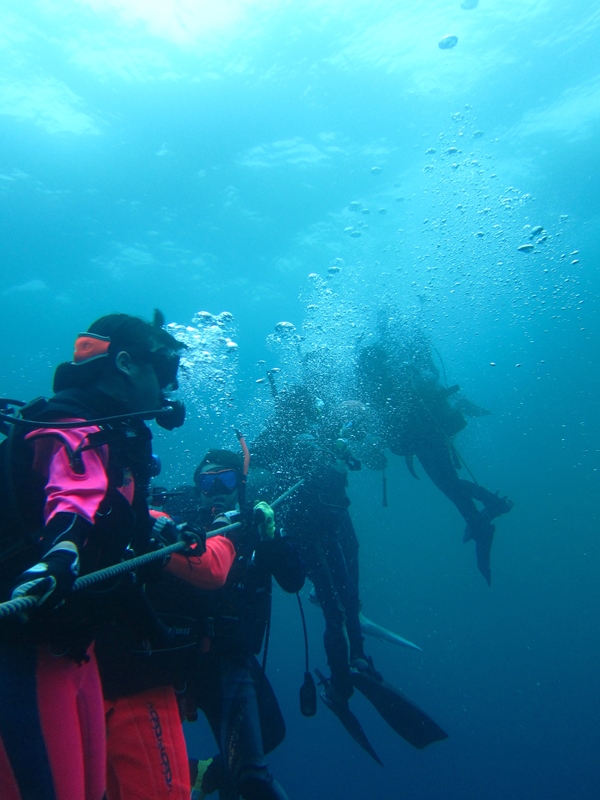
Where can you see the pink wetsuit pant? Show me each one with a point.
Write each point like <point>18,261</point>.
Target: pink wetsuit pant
<point>52,737</point>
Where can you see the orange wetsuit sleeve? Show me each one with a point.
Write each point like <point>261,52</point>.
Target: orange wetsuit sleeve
<point>208,571</point>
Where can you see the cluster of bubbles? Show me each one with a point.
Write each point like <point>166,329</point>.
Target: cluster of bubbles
<point>209,364</point>
<point>467,246</point>
<point>320,354</point>
<point>465,242</point>
<point>477,234</point>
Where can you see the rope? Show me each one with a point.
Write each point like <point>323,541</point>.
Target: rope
<point>23,603</point>
<point>15,606</point>
<point>127,566</point>
<point>285,495</point>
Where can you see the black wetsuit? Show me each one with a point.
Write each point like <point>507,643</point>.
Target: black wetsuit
<point>417,419</point>
<point>227,684</point>
<point>316,517</point>
<point>38,673</point>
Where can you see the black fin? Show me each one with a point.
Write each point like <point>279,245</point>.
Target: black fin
<point>410,465</point>
<point>348,720</point>
<point>483,551</point>
<point>400,713</point>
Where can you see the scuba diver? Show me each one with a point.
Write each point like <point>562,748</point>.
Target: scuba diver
<point>303,441</point>
<point>228,684</point>
<point>419,416</point>
<point>145,667</point>
<point>74,479</point>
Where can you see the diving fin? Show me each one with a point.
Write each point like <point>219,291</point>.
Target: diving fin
<point>483,551</point>
<point>470,409</point>
<point>482,531</point>
<point>370,628</point>
<point>347,718</point>
<point>410,465</point>
<point>400,713</point>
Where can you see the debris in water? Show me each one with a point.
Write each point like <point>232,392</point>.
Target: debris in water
<point>448,42</point>
<point>525,248</point>
<point>537,229</point>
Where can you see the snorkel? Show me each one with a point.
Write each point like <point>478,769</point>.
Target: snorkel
<point>244,481</point>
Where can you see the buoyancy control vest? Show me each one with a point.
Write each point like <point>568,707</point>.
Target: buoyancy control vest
<point>120,526</point>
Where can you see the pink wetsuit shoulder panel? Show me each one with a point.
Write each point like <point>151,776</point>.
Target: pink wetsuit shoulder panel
<point>66,490</point>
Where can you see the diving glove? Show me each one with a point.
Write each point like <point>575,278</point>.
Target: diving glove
<point>199,792</point>
<point>264,517</point>
<point>52,579</point>
<point>166,533</point>
<point>171,416</point>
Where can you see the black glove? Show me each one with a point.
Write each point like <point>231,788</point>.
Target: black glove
<point>172,416</point>
<point>166,532</point>
<point>52,579</point>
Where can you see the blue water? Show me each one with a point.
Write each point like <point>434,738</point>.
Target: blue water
<point>205,156</point>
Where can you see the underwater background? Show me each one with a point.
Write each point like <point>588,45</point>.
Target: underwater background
<point>320,163</point>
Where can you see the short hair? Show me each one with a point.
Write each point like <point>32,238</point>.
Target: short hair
<point>123,332</point>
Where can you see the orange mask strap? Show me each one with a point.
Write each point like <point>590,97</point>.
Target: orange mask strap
<point>89,346</point>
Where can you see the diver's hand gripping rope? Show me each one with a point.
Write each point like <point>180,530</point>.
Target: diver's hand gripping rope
<point>24,603</point>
